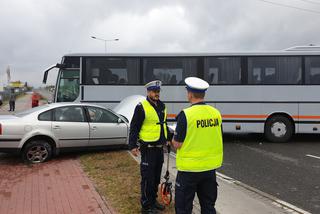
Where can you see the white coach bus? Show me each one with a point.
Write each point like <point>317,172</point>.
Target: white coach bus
<point>275,93</point>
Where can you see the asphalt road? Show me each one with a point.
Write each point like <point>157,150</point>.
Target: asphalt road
<point>287,171</point>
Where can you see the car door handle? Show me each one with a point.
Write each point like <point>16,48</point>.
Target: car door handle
<point>56,127</point>
<point>93,127</point>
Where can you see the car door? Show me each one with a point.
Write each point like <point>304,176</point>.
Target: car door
<point>106,128</point>
<point>70,126</point>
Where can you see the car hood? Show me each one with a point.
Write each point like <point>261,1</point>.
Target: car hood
<point>127,105</point>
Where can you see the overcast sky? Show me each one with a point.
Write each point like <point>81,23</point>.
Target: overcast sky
<point>37,33</point>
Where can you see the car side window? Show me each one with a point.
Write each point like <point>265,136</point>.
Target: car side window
<point>45,116</point>
<point>99,115</point>
<point>69,114</point>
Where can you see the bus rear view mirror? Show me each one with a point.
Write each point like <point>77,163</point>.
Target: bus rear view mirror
<point>45,76</point>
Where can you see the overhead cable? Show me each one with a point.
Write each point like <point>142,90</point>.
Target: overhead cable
<point>311,2</point>
<point>289,6</point>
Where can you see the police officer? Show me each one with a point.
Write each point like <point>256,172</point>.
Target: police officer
<point>198,140</point>
<point>148,128</point>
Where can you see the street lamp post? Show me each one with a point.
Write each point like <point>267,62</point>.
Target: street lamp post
<point>105,41</point>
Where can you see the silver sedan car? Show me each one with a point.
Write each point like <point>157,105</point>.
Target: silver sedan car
<point>42,132</point>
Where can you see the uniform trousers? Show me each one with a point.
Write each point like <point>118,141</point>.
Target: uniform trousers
<point>150,169</point>
<point>189,183</point>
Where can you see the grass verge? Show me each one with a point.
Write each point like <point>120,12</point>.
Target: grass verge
<point>117,176</point>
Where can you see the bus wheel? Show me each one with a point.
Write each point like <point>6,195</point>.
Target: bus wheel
<point>278,129</point>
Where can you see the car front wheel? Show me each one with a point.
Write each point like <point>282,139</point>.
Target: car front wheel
<point>37,152</point>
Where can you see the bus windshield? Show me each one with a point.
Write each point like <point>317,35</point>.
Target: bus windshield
<point>68,86</point>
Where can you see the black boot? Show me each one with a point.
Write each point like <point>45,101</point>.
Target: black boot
<point>150,210</point>
<point>159,206</point>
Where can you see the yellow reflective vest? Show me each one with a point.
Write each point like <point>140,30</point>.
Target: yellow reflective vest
<point>151,127</point>
<point>202,149</point>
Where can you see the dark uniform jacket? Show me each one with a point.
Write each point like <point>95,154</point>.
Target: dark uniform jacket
<point>136,124</point>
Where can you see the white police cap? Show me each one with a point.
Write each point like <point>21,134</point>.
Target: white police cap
<point>195,84</point>
<point>153,85</point>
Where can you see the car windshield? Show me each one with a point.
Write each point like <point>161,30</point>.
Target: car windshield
<point>30,111</point>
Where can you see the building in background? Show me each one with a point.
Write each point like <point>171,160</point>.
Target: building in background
<point>18,86</point>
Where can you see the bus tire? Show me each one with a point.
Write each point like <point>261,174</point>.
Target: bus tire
<point>278,129</point>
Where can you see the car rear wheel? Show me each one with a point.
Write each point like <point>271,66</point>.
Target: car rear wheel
<point>278,129</point>
<point>37,152</point>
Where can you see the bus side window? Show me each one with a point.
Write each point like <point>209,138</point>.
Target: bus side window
<point>312,64</point>
<point>173,79</point>
<point>169,70</point>
<point>109,70</point>
<point>222,70</point>
<point>269,75</point>
<point>95,76</point>
<point>211,78</point>
<point>106,76</point>
<point>214,76</point>
<point>114,79</point>
<point>122,81</point>
<point>256,75</point>
<point>315,79</point>
<point>271,70</point>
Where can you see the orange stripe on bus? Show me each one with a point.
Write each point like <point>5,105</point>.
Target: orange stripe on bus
<point>257,116</point>
<point>265,116</point>
<point>244,116</point>
<point>306,116</point>
<point>171,115</point>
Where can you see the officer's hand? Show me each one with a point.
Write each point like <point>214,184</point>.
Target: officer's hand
<point>135,152</point>
<point>176,145</point>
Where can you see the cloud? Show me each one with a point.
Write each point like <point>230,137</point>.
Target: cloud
<point>159,29</point>
<point>37,33</point>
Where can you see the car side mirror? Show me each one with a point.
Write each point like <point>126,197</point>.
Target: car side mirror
<point>124,119</point>
<point>120,120</point>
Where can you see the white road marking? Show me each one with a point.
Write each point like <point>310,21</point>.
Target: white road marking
<point>313,156</point>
